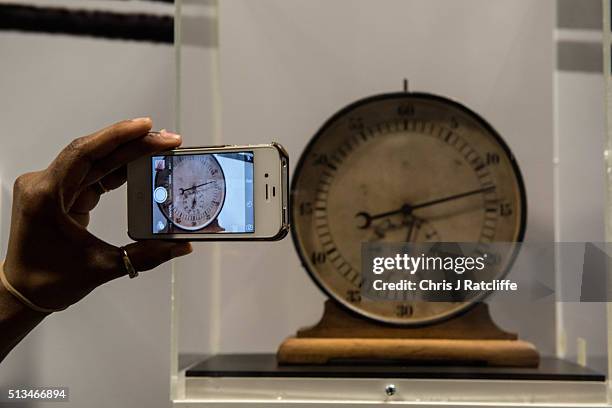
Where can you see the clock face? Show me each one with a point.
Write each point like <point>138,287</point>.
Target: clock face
<point>193,190</point>
<point>401,167</point>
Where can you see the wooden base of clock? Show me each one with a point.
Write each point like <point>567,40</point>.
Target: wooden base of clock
<point>469,339</point>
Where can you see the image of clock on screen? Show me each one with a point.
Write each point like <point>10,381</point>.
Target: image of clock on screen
<point>203,193</point>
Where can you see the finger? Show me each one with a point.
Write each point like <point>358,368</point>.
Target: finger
<point>111,181</point>
<point>74,162</point>
<point>114,180</point>
<point>89,198</point>
<point>108,183</point>
<point>146,255</point>
<point>86,201</point>
<point>81,218</point>
<point>153,142</point>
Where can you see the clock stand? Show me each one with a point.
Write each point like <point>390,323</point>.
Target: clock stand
<point>471,338</point>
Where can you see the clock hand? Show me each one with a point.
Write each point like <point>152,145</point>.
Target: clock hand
<point>408,209</point>
<point>410,229</point>
<point>367,218</point>
<point>182,190</point>
<point>414,225</point>
<point>453,197</point>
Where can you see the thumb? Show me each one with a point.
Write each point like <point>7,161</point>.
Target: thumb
<point>146,255</point>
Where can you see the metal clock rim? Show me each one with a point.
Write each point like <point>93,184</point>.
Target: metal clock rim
<point>391,95</point>
<point>220,206</point>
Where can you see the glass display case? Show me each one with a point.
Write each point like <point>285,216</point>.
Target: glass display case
<point>522,84</point>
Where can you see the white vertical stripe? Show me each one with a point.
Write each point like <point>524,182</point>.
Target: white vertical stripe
<point>215,290</point>
<point>174,296</point>
<point>578,35</point>
<point>559,330</point>
<point>607,41</point>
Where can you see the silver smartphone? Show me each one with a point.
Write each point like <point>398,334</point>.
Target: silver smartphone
<point>210,194</point>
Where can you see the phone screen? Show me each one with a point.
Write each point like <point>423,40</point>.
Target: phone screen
<point>203,193</point>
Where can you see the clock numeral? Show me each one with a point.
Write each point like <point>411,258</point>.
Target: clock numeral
<point>403,310</point>
<point>318,258</point>
<point>306,209</point>
<point>353,296</point>
<point>492,159</point>
<point>355,124</point>
<point>406,110</point>
<point>505,209</point>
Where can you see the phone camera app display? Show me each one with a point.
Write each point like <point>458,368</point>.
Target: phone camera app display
<point>203,193</point>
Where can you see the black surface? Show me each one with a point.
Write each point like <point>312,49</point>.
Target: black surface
<point>88,23</point>
<point>264,365</point>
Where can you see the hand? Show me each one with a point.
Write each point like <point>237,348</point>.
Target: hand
<point>52,258</point>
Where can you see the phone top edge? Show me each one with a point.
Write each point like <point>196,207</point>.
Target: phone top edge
<point>212,149</point>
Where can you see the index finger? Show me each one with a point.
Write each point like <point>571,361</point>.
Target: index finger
<point>74,162</point>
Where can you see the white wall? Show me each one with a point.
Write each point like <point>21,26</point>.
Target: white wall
<point>581,134</point>
<point>580,131</point>
<point>112,349</point>
<point>288,65</point>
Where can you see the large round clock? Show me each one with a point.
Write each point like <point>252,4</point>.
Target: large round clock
<point>194,187</point>
<point>401,167</point>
